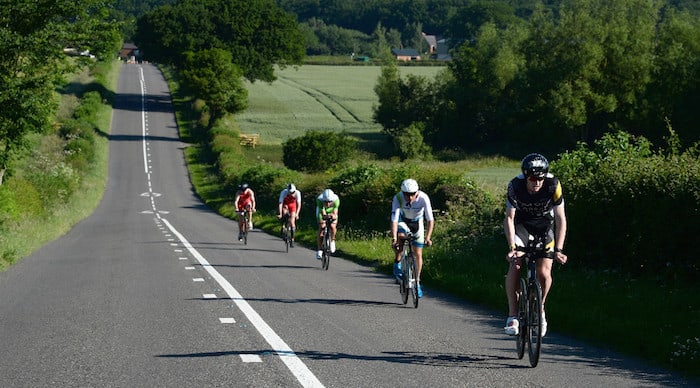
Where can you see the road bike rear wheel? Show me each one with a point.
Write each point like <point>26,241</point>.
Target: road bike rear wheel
<point>413,277</point>
<point>534,327</point>
<point>522,319</point>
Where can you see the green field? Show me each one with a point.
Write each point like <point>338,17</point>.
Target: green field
<point>309,98</point>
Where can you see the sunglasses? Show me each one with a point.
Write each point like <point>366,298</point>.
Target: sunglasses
<point>409,194</point>
<point>533,178</point>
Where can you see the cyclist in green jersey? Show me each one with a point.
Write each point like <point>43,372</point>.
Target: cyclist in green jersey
<point>327,203</point>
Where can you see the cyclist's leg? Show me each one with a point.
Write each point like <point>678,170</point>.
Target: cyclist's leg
<point>400,238</point>
<point>293,222</point>
<point>544,268</point>
<point>319,238</point>
<point>334,229</point>
<point>241,221</point>
<point>513,275</point>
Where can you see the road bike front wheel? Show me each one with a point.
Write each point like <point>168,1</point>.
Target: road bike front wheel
<point>534,327</point>
<point>413,278</point>
<point>522,319</point>
<point>245,229</point>
<point>326,250</point>
<point>404,283</point>
<point>286,238</point>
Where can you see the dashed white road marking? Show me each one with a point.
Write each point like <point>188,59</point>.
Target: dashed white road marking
<point>227,320</point>
<point>209,296</point>
<point>198,279</point>
<point>300,371</point>
<point>250,358</point>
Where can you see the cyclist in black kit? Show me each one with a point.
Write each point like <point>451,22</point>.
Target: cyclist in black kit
<point>534,207</point>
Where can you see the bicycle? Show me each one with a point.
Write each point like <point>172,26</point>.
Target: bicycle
<point>530,302</point>
<point>286,232</point>
<point>246,221</point>
<point>326,242</point>
<point>409,277</point>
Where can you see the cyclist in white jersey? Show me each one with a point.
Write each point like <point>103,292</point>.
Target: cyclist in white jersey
<point>409,208</point>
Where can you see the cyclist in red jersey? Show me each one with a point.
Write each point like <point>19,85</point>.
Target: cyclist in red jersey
<point>290,206</point>
<point>245,198</point>
<point>534,207</point>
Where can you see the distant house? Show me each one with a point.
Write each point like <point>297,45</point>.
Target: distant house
<point>439,47</point>
<point>129,52</point>
<point>408,54</point>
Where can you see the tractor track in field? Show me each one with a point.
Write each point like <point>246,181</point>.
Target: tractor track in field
<point>338,110</point>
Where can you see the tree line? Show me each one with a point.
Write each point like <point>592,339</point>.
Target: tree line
<point>561,76</point>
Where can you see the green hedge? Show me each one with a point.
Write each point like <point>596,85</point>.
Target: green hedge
<point>631,208</point>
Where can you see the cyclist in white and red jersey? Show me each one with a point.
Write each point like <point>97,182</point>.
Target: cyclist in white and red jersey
<point>245,198</point>
<point>409,208</point>
<point>534,207</point>
<point>290,206</point>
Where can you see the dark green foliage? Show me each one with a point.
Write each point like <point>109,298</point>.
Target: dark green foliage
<point>32,38</point>
<point>409,142</point>
<point>632,209</point>
<point>257,33</point>
<point>212,76</point>
<point>318,151</point>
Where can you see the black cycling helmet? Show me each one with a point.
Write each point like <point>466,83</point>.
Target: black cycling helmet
<point>243,186</point>
<point>535,165</point>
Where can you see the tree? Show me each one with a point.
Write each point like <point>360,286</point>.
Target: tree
<point>258,34</point>
<point>213,77</point>
<point>32,38</point>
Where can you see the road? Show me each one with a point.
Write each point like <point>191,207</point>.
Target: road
<point>154,290</point>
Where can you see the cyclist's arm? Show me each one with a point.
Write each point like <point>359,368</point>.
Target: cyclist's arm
<point>560,231</point>
<point>298,196</point>
<point>235,201</point>
<point>509,229</point>
<point>429,232</point>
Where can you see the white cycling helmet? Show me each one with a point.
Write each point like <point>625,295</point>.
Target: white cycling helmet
<point>409,186</point>
<point>328,195</point>
<point>291,188</point>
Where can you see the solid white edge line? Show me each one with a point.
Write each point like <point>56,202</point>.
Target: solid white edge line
<point>143,119</point>
<point>302,373</point>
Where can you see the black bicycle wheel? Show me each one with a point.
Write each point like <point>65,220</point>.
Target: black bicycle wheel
<point>245,228</point>
<point>414,277</point>
<point>534,328</point>
<point>326,249</point>
<point>286,238</point>
<point>522,319</point>
<point>404,280</point>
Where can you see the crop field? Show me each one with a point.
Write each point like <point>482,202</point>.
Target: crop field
<point>314,97</point>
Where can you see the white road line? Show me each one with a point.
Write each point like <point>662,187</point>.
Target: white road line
<point>286,354</point>
<point>227,320</point>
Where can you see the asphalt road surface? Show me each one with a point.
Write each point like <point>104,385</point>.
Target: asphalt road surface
<point>154,290</point>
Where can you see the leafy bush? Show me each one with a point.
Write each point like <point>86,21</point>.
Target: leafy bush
<point>630,208</point>
<point>317,151</point>
<point>409,143</point>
